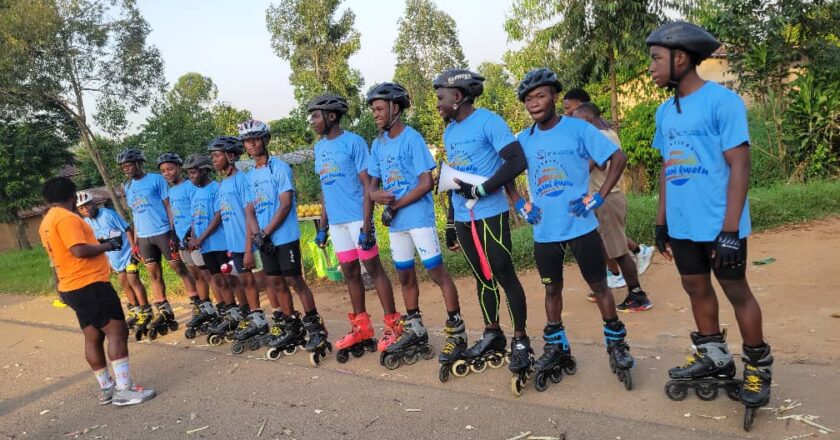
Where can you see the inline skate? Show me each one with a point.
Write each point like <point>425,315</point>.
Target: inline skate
<point>163,322</point>
<point>204,316</point>
<point>758,377</point>
<point>358,340</point>
<point>391,332</point>
<point>317,344</point>
<point>410,346</point>
<point>290,336</point>
<point>556,359</point>
<point>709,369</point>
<point>249,332</point>
<point>223,330</point>
<point>619,352</point>
<point>453,346</point>
<point>131,317</point>
<point>489,350</point>
<point>144,316</point>
<point>521,363</point>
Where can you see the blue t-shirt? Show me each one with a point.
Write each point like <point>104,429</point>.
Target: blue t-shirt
<point>145,197</point>
<point>338,162</point>
<point>473,146</point>
<point>558,172</point>
<point>234,196</point>
<point>399,162</point>
<point>180,201</point>
<point>267,184</point>
<point>692,143</point>
<point>203,209</point>
<point>108,220</point>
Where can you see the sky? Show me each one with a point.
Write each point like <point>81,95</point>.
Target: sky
<point>227,40</point>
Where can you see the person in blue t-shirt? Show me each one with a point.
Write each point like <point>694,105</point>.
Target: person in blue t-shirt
<point>104,222</point>
<point>236,204</point>
<point>558,150</point>
<point>180,200</point>
<point>703,219</point>
<point>341,160</point>
<point>278,238</point>
<point>147,195</point>
<point>400,167</point>
<point>478,141</point>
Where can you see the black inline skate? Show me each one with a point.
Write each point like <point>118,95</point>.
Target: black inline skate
<point>619,352</point>
<point>223,331</point>
<point>453,346</point>
<point>317,344</point>
<point>758,377</point>
<point>410,346</point>
<point>489,350</point>
<point>709,369</point>
<point>290,336</point>
<point>521,363</point>
<point>204,316</point>
<point>556,359</point>
<point>249,332</point>
<point>163,322</point>
<point>141,325</point>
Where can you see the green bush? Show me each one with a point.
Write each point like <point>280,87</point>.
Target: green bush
<point>643,161</point>
<point>812,127</point>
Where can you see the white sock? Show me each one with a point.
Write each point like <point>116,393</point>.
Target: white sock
<point>122,373</point>
<point>104,378</point>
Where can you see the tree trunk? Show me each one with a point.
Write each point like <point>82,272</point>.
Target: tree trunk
<point>20,229</point>
<point>613,88</point>
<point>94,156</point>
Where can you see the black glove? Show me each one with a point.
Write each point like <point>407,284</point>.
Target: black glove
<point>388,215</point>
<point>451,235</point>
<point>115,242</point>
<point>661,237</point>
<point>173,242</point>
<point>367,240</point>
<point>470,191</point>
<point>263,242</point>
<point>728,250</point>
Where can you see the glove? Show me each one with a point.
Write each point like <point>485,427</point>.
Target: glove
<point>661,237</point>
<point>367,240</point>
<point>529,212</point>
<point>581,207</point>
<point>728,250</point>
<point>263,242</point>
<point>388,215</point>
<point>173,242</point>
<point>470,191</point>
<point>451,235</point>
<point>135,252</point>
<point>321,238</point>
<point>115,242</point>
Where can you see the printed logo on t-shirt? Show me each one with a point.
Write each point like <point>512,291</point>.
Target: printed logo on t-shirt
<point>140,204</point>
<point>329,172</point>
<point>200,216</point>
<point>550,177</point>
<point>261,200</point>
<point>460,160</point>
<point>395,181</point>
<point>227,210</point>
<point>682,164</point>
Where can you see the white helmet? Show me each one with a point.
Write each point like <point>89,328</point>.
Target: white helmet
<point>83,198</point>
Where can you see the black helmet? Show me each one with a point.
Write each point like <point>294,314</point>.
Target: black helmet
<point>227,144</point>
<point>471,84</point>
<point>329,102</point>
<point>130,155</point>
<point>169,157</point>
<point>390,92</point>
<point>686,36</point>
<point>198,161</point>
<point>538,78</point>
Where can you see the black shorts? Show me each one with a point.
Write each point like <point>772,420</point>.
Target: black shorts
<point>152,248</point>
<point>94,304</point>
<point>284,261</point>
<point>695,258</point>
<point>214,260</point>
<point>588,250</point>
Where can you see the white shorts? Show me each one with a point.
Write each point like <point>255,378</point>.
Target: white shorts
<point>425,240</point>
<point>345,240</point>
<point>192,258</point>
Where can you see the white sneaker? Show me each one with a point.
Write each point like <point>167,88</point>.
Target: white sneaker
<point>615,281</point>
<point>132,396</point>
<point>106,395</point>
<point>643,258</point>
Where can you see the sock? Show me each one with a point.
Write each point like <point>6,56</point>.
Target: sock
<point>613,323</point>
<point>637,289</point>
<point>122,373</point>
<point>277,314</point>
<point>411,312</point>
<point>312,312</point>
<point>104,378</point>
<point>637,250</point>
<point>194,299</point>
<point>454,315</point>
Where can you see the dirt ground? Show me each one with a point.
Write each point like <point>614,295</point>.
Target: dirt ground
<point>48,392</point>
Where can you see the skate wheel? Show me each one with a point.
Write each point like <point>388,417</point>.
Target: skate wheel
<point>228,338</point>
<point>214,340</point>
<point>541,381</point>
<point>734,392</point>
<point>428,352</point>
<point>254,344</point>
<point>749,416</point>
<point>315,358</point>
<point>676,391</point>
<point>478,366</point>
<point>412,358</point>
<point>357,351</point>
<point>272,354</point>
<point>391,362</point>
<point>138,336</point>
<point>556,376</point>
<point>342,356</point>
<point>571,367</point>
<point>443,373</point>
<point>496,361</point>
<point>163,331</point>
<point>370,345</point>
<point>190,333</point>
<point>173,325</point>
<point>290,350</point>
<point>627,379</point>
<point>237,348</point>
<point>516,385</point>
<point>706,392</point>
<point>460,368</point>
<point>153,334</point>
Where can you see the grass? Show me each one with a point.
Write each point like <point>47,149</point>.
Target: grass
<point>27,272</point>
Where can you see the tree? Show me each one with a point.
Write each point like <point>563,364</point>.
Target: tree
<point>594,38</point>
<point>56,53</point>
<point>31,150</point>
<point>291,133</point>
<point>318,47</point>
<point>500,96</point>
<point>226,119</point>
<point>427,43</point>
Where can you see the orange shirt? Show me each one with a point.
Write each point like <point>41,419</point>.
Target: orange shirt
<point>60,230</point>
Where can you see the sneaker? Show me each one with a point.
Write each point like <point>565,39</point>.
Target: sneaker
<point>635,302</point>
<point>615,281</point>
<point>643,258</point>
<point>591,297</point>
<point>132,396</point>
<point>106,395</point>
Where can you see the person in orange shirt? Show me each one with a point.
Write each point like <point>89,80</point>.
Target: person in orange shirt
<point>82,277</point>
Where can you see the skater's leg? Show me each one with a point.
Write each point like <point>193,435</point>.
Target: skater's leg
<point>628,270</point>
<point>94,347</point>
<point>441,277</point>
<point>589,253</point>
<point>252,295</point>
<point>554,301</point>
<point>410,288</point>
<point>488,292</point>
<point>747,310</point>
<point>704,302</point>
<point>156,281</point>
<point>125,285</point>
<point>137,287</point>
<point>352,272</point>
<point>497,244</point>
<point>279,295</point>
<point>117,334</point>
<point>374,268</point>
<point>184,274</point>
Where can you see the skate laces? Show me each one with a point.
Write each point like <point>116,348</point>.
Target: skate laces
<point>752,381</point>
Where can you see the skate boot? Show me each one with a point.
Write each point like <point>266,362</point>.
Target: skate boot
<point>223,331</point>
<point>489,350</point>
<point>709,368</point>
<point>412,343</point>
<point>203,316</point>
<point>163,322</point>
<point>131,317</point>
<point>275,330</point>
<point>619,352</point>
<point>358,340</point>
<point>141,326</point>
<point>317,344</point>
<point>454,345</point>
<point>249,334</point>
<point>285,337</point>
<point>391,332</point>
<point>521,363</point>
<point>556,359</point>
<point>758,376</point>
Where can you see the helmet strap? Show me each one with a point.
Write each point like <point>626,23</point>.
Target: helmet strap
<point>674,80</point>
<point>392,118</point>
